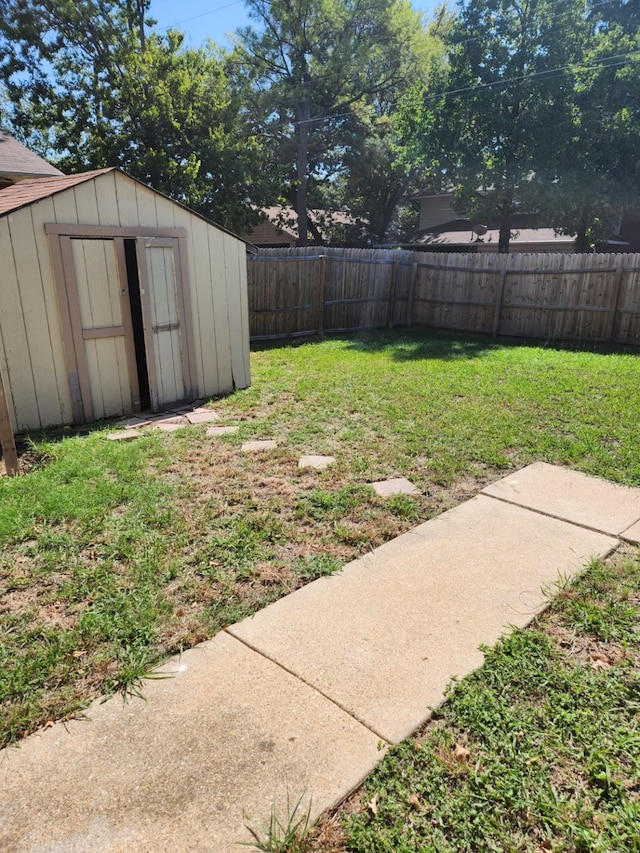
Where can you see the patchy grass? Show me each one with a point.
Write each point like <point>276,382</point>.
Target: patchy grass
<point>117,555</point>
<point>537,751</point>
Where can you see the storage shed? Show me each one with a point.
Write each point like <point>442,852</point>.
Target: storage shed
<point>114,299</point>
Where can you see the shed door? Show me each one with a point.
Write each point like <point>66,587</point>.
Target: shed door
<point>105,322</point>
<point>165,320</point>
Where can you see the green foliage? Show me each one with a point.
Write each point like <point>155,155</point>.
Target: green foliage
<point>284,835</point>
<point>532,115</point>
<point>311,64</point>
<point>90,85</point>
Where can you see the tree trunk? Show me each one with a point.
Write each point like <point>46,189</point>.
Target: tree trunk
<point>303,111</point>
<point>505,229</point>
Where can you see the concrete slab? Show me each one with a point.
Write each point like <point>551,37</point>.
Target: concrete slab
<point>317,462</point>
<point>257,446</point>
<point>384,637</point>
<point>168,427</point>
<point>632,534</point>
<point>230,731</point>
<point>214,431</point>
<point>202,417</point>
<point>395,486</point>
<point>132,422</point>
<point>125,435</point>
<point>170,419</point>
<point>571,496</point>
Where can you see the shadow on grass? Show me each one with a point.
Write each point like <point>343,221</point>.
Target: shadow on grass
<point>414,344</point>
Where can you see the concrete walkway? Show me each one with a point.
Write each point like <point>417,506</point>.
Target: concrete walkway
<point>305,696</point>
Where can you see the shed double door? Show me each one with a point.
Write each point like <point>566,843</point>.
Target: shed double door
<point>127,322</point>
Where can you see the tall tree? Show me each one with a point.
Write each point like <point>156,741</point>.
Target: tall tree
<point>90,84</point>
<point>501,105</point>
<point>310,62</point>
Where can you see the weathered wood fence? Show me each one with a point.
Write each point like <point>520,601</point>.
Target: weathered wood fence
<point>559,297</point>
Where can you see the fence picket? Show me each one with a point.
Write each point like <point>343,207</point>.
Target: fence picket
<point>560,297</point>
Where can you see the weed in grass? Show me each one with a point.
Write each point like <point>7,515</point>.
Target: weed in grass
<point>316,566</point>
<point>283,835</point>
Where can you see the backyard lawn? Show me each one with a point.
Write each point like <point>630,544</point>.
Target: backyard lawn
<point>115,555</point>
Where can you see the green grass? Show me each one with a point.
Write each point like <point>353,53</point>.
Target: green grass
<point>538,750</point>
<point>117,555</point>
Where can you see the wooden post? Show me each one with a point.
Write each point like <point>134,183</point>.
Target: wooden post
<point>412,290</point>
<point>322,275</point>
<point>391,305</point>
<point>7,440</point>
<point>616,304</point>
<point>499,298</point>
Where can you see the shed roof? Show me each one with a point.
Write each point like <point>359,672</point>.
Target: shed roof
<point>18,161</point>
<point>34,189</point>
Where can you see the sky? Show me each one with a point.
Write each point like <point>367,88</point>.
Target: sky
<point>217,19</point>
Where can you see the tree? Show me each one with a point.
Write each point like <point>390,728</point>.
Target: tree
<point>90,84</point>
<point>501,106</point>
<point>310,62</point>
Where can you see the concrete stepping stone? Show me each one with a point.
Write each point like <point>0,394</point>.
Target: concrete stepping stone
<point>169,427</point>
<point>257,446</point>
<point>395,486</point>
<point>398,623</point>
<point>317,462</point>
<point>570,495</point>
<point>227,732</point>
<point>132,422</point>
<point>124,435</point>
<point>169,419</point>
<point>215,431</point>
<point>202,416</point>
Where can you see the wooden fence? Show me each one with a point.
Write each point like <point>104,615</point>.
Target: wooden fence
<point>559,297</point>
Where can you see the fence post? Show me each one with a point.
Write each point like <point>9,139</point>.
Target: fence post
<point>499,298</point>
<point>7,440</point>
<point>412,288</point>
<point>391,305</point>
<point>322,275</point>
<point>616,305</point>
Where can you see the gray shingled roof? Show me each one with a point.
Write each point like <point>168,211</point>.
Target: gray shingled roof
<point>16,161</point>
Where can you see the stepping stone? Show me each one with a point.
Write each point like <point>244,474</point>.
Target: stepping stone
<point>125,435</point>
<point>171,427</point>
<point>317,462</point>
<point>172,419</point>
<point>215,431</point>
<point>132,422</point>
<point>396,486</point>
<point>572,496</point>
<point>202,417</point>
<point>256,446</point>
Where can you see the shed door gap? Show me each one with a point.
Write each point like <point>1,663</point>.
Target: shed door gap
<point>136,322</point>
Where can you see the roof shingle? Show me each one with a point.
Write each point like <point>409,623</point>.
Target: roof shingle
<point>34,189</point>
<point>18,161</point>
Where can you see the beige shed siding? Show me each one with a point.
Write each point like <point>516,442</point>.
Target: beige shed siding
<point>30,337</point>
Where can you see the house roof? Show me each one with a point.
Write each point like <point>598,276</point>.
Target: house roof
<point>281,224</point>
<point>17,161</point>
<point>520,236</point>
<point>35,189</point>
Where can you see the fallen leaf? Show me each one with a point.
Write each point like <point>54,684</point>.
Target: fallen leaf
<point>599,662</point>
<point>461,753</point>
<point>372,805</point>
<point>49,724</point>
<point>413,801</point>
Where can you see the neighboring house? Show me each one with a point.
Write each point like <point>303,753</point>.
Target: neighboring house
<point>280,228</point>
<point>114,299</point>
<point>441,228</point>
<point>17,163</point>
